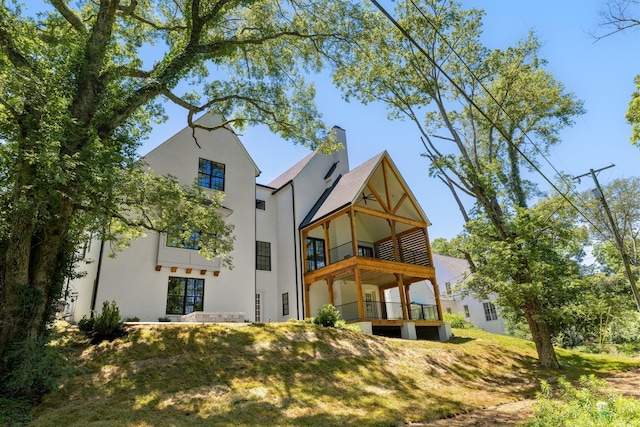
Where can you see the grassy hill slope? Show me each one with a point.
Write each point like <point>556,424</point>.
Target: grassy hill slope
<point>291,375</point>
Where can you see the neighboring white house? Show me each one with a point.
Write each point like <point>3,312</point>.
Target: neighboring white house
<point>450,273</point>
<point>362,232</point>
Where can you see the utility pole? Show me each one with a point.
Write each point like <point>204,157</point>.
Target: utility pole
<point>614,229</point>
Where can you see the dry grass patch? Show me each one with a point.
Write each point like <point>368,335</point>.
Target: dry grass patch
<point>291,374</point>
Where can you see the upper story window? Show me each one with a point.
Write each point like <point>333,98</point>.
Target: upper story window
<point>210,174</point>
<point>315,254</point>
<point>261,204</point>
<point>263,256</point>
<point>174,241</point>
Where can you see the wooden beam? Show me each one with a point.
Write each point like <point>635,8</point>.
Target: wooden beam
<point>378,197</point>
<point>330,288</point>
<point>203,272</point>
<point>189,270</point>
<point>334,269</point>
<point>331,217</point>
<point>436,294</point>
<point>354,236</point>
<point>174,269</point>
<point>360,296</point>
<point>403,300</point>
<point>384,215</point>
<point>158,267</point>
<point>397,206</point>
<point>307,303</point>
<point>216,273</point>
<point>327,253</point>
<point>386,182</point>
<point>415,206</point>
<point>303,245</point>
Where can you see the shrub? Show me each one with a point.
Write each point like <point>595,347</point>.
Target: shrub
<point>132,319</point>
<point>85,325</point>
<point>164,319</point>
<point>457,320</point>
<point>328,315</point>
<point>590,405</point>
<point>108,322</point>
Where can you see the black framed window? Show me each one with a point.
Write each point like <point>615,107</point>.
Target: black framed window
<point>185,295</point>
<point>285,304</point>
<point>261,204</point>
<point>365,251</point>
<point>490,312</point>
<point>315,254</point>
<point>263,256</point>
<point>174,241</point>
<point>466,311</point>
<point>210,174</point>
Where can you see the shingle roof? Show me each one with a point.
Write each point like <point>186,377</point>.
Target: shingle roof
<point>291,173</point>
<point>344,192</point>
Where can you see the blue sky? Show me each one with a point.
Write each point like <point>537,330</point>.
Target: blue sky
<point>601,74</point>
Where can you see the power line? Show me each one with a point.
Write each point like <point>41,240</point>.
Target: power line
<point>460,90</point>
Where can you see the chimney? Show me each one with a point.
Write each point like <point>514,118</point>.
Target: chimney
<point>342,155</point>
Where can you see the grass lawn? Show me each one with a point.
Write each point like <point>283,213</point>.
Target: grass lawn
<point>290,374</point>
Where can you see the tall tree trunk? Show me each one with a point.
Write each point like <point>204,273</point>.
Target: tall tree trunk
<point>31,284</point>
<point>540,333</point>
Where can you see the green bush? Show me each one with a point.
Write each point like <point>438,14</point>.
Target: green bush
<point>108,323</point>
<point>132,319</point>
<point>328,315</point>
<point>457,320</point>
<point>589,405</point>
<point>85,325</point>
<point>164,319</point>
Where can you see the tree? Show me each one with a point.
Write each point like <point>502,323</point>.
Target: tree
<point>483,115</point>
<point>623,198</point>
<point>616,16</point>
<point>80,87</point>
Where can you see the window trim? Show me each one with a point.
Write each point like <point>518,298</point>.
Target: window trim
<point>314,261</point>
<point>490,312</point>
<point>212,180</point>
<point>263,261</point>
<point>184,283</point>
<point>285,304</point>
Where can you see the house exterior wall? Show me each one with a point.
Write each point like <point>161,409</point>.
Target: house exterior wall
<point>131,278</point>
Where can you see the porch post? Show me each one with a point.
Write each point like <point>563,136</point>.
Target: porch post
<point>360,296</point>
<point>307,304</point>
<point>436,293</point>
<point>383,306</point>
<point>354,237</point>
<point>408,298</point>
<point>330,287</point>
<point>403,300</point>
<point>394,242</point>
<point>303,244</point>
<point>327,253</point>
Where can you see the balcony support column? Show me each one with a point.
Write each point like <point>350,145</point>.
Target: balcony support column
<point>403,299</point>
<point>330,289</point>
<point>327,252</point>
<point>358,279</point>
<point>383,305</point>
<point>436,294</point>
<point>354,237</point>
<point>408,299</point>
<point>307,303</point>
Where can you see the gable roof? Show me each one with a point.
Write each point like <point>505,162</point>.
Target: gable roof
<point>344,191</point>
<point>291,173</point>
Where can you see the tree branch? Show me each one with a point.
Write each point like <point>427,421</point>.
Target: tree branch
<point>70,16</point>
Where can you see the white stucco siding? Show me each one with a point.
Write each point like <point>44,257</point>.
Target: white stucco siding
<point>266,231</point>
<point>82,287</point>
<point>288,261</point>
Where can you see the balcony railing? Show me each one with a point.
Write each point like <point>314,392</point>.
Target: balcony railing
<point>368,249</point>
<point>376,310</point>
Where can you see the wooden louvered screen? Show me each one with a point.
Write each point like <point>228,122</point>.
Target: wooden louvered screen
<point>413,248</point>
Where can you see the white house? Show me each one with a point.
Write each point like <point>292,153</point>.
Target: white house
<point>451,273</point>
<point>319,233</point>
